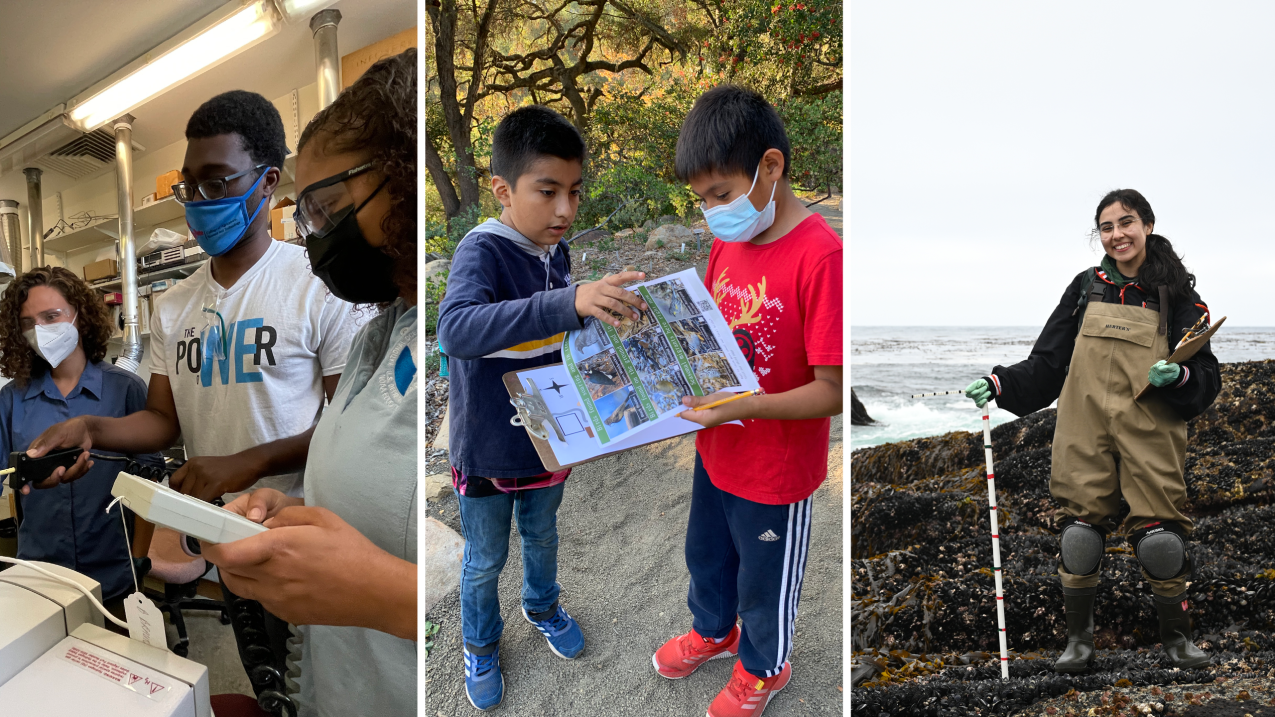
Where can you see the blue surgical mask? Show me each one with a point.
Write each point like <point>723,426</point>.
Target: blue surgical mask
<point>739,220</point>
<point>219,224</point>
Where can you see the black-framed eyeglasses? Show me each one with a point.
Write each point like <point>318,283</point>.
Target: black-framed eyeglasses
<point>209,188</point>
<point>323,204</point>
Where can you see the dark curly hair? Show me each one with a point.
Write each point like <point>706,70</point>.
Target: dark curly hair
<point>93,320</point>
<point>378,113</point>
<point>1163,266</point>
<point>249,115</point>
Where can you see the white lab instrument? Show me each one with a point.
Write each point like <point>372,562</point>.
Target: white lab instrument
<point>56,660</point>
<point>164,506</point>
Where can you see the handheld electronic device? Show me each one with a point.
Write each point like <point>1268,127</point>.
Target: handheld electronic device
<point>33,470</point>
<point>193,517</point>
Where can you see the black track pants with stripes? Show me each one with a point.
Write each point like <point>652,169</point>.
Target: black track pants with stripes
<point>746,559</point>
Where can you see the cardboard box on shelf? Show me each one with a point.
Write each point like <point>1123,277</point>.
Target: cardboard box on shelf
<point>104,269</point>
<point>164,183</point>
<point>282,227</point>
<point>148,200</point>
<point>356,63</point>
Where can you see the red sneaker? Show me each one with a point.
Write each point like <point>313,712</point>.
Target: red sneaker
<point>746,695</point>
<point>680,656</point>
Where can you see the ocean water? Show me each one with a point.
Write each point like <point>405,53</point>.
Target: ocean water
<point>889,363</point>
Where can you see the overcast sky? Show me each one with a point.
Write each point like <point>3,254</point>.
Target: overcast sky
<point>982,136</point>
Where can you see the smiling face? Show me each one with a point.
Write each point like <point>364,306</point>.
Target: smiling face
<point>1124,237</point>
<point>544,203</point>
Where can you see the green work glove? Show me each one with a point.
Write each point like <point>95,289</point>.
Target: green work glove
<point>980,392</point>
<point>1163,373</point>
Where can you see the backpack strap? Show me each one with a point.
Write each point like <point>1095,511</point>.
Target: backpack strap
<point>1163,308</point>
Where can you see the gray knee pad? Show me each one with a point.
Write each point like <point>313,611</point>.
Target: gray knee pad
<point>1161,548</point>
<point>1080,547</point>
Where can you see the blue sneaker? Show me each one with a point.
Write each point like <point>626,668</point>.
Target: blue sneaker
<point>565,637</point>
<point>484,685</point>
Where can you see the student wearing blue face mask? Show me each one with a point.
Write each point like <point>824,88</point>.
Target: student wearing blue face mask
<point>244,351</point>
<point>53,336</point>
<point>775,273</point>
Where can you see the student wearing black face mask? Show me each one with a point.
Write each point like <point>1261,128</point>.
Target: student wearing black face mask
<point>342,561</point>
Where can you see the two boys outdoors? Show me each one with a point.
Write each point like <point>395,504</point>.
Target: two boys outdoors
<point>510,301</point>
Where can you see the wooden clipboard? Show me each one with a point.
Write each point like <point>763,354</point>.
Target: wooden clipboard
<point>545,451</point>
<point>1186,351</point>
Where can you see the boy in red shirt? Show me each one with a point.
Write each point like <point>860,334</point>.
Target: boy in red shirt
<point>775,272</point>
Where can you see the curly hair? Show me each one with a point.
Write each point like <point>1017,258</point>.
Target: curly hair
<point>247,114</point>
<point>93,319</point>
<point>378,113</point>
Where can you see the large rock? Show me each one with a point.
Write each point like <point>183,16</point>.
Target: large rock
<point>444,550</point>
<point>858,414</point>
<point>625,233</point>
<point>436,485</point>
<point>667,219</point>
<point>670,234</point>
<point>921,549</point>
<point>437,268</point>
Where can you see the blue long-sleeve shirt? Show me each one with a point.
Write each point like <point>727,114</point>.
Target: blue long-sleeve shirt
<point>67,525</point>
<point>508,303</point>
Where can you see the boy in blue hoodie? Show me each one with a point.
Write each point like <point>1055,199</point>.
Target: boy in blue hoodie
<point>509,303</point>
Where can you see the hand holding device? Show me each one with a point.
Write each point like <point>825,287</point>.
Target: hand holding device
<point>262,504</point>
<point>67,434</point>
<point>312,568</point>
<point>25,470</point>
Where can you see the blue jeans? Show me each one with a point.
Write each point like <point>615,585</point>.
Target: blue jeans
<point>485,523</point>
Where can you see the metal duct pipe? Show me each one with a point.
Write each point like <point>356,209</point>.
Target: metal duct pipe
<point>11,233</point>
<point>130,357</point>
<point>35,216</point>
<point>327,61</point>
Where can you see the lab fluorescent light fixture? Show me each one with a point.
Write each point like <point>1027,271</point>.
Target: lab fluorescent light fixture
<point>217,37</point>
<point>294,10</point>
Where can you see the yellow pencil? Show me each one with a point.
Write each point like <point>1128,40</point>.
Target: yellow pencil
<point>736,397</point>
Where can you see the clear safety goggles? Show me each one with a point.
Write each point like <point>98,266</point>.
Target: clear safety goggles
<point>44,318</point>
<point>322,205</point>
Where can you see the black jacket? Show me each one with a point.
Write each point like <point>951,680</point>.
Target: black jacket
<point>1033,384</point>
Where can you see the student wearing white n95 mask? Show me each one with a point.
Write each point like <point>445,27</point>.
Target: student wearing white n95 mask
<point>54,330</point>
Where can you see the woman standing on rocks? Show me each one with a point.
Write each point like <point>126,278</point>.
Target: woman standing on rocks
<point>1115,321</point>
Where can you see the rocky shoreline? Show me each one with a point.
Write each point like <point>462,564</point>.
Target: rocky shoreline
<point>923,608</point>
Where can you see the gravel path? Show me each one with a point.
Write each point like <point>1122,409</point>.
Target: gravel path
<point>623,576</point>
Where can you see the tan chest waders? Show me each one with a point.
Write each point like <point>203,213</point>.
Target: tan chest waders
<point>1106,444</point>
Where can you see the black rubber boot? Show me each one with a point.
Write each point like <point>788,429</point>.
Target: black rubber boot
<point>1078,602</point>
<point>1175,632</point>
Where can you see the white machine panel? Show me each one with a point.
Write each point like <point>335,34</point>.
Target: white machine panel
<point>30,625</point>
<point>76,678</point>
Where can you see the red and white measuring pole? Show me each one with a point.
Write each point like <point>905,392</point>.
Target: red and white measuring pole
<point>996,533</point>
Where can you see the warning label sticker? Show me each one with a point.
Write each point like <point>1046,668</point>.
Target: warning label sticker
<point>120,674</point>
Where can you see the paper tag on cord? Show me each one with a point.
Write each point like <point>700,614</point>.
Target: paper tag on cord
<point>145,621</point>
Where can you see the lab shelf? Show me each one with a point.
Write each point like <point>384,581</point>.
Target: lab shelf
<point>177,271</point>
<point>104,232</point>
